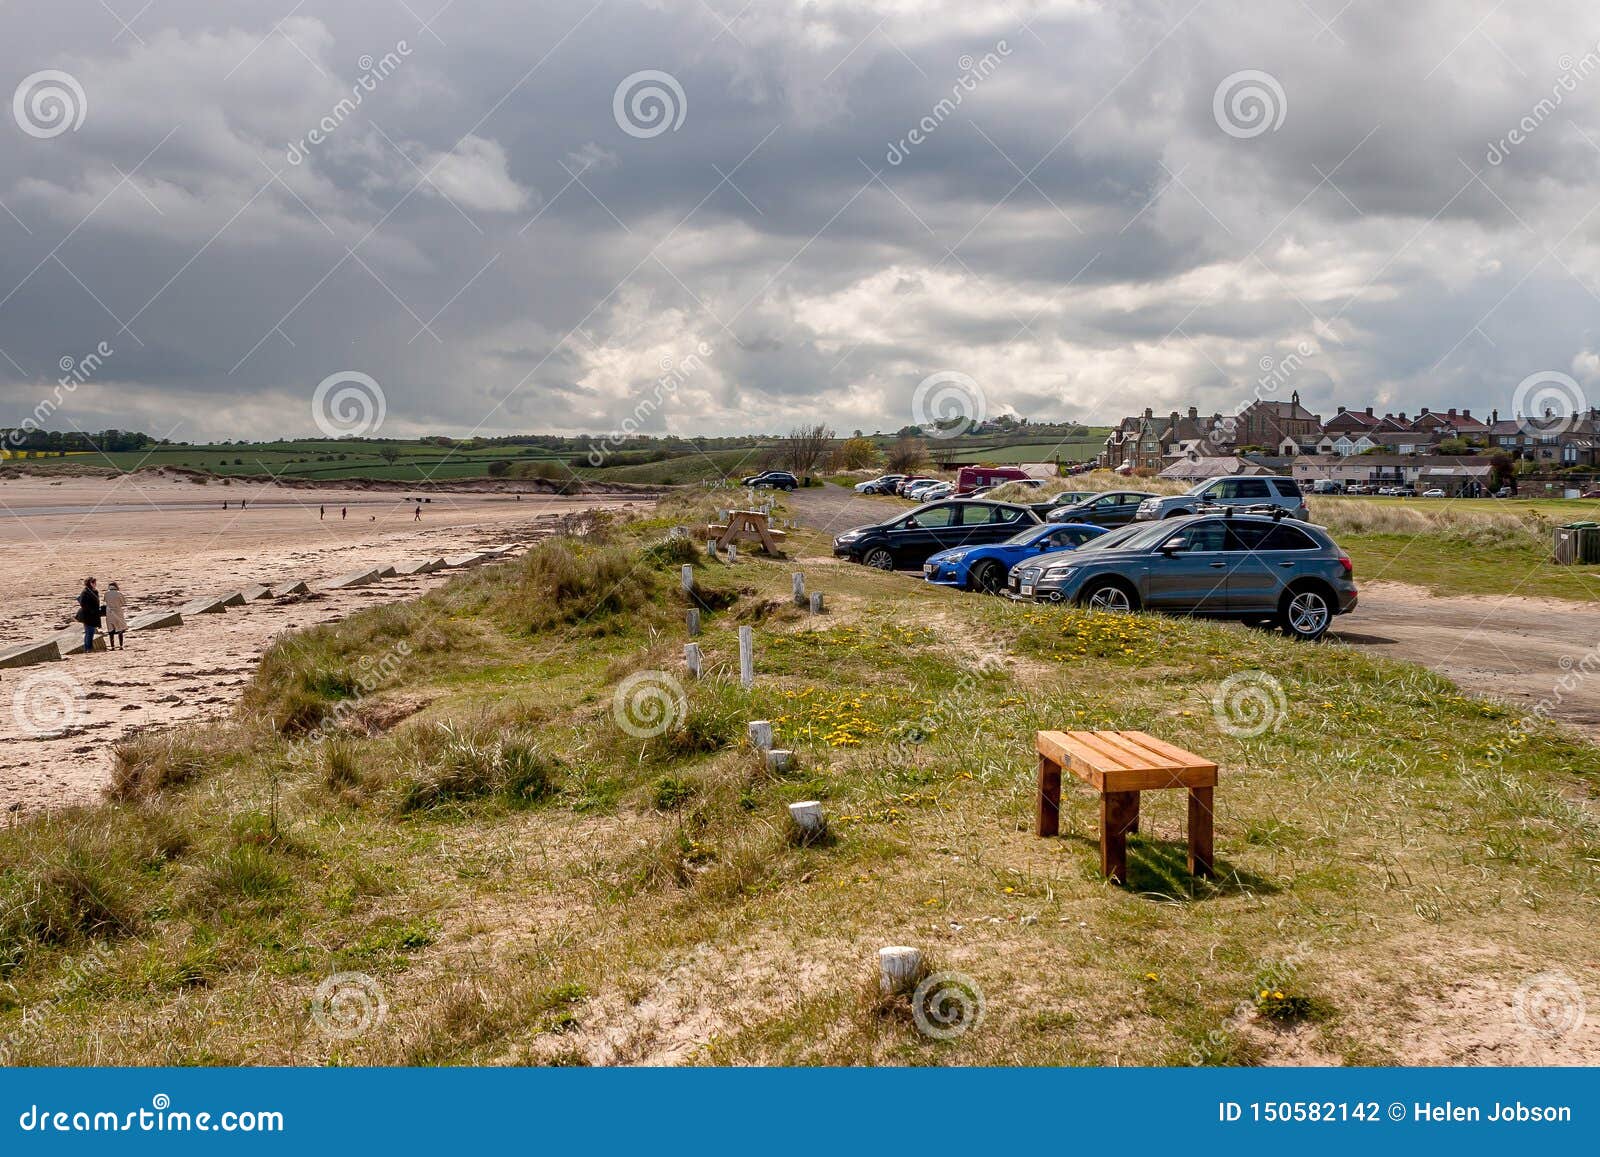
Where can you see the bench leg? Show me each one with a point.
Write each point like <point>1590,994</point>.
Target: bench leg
<point>1049,797</point>
<point>1118,810</point>
<point>1201,847</point>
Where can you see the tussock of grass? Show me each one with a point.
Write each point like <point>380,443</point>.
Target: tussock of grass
<point>1509,527</point>
<point>445,763</point>
<point>153,761</point>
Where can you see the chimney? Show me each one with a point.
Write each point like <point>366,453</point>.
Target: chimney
<point>1465,413</point>
<point>1369,411</point>
<point>1494,415</point>
<point>1341,409</point>
<point>1193,413</point>
<point>1452,411</point>
<point>1148,413</point>
<point>1424,413</point>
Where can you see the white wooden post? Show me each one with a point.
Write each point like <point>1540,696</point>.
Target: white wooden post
<point>799,588</point>
<point>688,578</point>
<point>780,759</point>
<point>691,659</point>
<point>816,602</point>
<point>694,622</point>
<point>747,658</point>
<point>760,732</point>
<point>898,967</point>
<point>733,553</point>
<point>809,818</point>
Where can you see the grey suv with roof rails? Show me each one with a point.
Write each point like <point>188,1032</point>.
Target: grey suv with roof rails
<point>1226,564</point>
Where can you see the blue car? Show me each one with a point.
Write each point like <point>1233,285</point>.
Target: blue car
<point>984,568</point>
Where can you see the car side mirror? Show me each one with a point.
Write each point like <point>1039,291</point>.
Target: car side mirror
<point>912,524</point>
<point>1172,545</point>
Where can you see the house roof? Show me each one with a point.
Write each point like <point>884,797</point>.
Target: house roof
<point>1217,466</point>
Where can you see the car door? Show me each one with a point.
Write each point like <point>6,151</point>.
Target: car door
<point>982,524</point>
<point>1191,579</point>
<point>1270,557</point>
<point>923,532</point>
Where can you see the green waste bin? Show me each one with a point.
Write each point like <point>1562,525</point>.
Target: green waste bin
<point>1577,543</point>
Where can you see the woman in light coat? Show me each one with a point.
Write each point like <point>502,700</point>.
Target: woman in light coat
<point>116,608</point>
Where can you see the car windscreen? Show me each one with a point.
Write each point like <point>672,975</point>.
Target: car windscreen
<point>1114,539</point>
<point>1025,537</point>
<point>1140,536</point>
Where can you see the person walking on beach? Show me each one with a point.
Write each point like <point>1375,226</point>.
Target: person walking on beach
<point>116,618</point>
<point>322,512</point>
<point>417,517</point>
<point>344,512</point>
<point>89,612</point>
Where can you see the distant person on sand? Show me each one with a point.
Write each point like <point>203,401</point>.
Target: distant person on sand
<point>417,517</point>
<point>116,618</point>
<point>344,512</point>
<point>322,512</point>
<point>224,504</point>
<point>89,612</point>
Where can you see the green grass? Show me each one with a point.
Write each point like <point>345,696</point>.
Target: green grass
<point>531,882</point>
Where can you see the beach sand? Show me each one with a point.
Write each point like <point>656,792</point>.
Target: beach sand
<point>144,532</point>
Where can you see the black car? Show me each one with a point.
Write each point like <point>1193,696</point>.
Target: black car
<point>771,480</point>
<point>907,541</point>
<point>1112,509</point>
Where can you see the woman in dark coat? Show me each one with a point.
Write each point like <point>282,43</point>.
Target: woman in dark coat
<point>89,612</point>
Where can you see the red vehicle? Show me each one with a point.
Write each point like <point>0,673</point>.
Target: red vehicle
<point>972,477</point>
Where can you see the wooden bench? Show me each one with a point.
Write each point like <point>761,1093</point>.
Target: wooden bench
<point>1119,765</point>
<point>746,524</point>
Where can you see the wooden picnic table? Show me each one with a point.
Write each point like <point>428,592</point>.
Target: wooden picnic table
<point>1119,765</point>
<point>746,524</point>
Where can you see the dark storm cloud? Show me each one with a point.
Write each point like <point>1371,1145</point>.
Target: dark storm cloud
<point>1039,195</point>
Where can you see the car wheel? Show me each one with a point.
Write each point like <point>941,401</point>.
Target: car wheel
<point>1307,613</point>
<point>1110,596</point>
<point>879,558</point>
<point>988,577</point>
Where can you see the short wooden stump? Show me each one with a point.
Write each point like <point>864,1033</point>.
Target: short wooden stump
<point>1119,765</point>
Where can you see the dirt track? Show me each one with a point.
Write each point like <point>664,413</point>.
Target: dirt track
<point>1507,646</point>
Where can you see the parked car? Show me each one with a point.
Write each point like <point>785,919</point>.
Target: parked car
<point>1434,493</point>
<point>1240,490</point>
<point>984,568</point>
<point>908,540</point>
<point>1111,509</point>
<point>935,492</point>
<point>915,491</point>
<point>884,484</point>
<point>1328,486</point>
<point>909,481</point>
<point>771,480</point>
<point>1505,492</point>
<point>1251,567</point>
<point>1071,497</point>
<point>969,478</point>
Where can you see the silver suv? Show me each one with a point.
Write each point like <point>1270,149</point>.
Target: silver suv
<point>1239,490</point>
<point>1255,568</point>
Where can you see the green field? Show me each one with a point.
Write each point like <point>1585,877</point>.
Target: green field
<point>1080,450</point>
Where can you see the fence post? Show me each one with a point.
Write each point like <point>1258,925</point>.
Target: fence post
<point>816,602</point>
<point>688,578</point>
<point>760,732</point>
<point>799,588</point>
<point>694,622</point>
<point>691,659</point>
<point>898,968</point>
<point>747,658</point>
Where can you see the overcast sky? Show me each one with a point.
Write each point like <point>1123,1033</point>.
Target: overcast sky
<point>1115,205</point>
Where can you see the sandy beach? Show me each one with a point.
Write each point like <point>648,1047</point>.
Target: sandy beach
<point>166,541</point>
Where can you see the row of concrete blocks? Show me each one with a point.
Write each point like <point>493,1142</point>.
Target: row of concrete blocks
<point>50,650</point>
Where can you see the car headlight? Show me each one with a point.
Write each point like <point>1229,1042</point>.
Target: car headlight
<point>1060,572</point>
<point>849,536</point>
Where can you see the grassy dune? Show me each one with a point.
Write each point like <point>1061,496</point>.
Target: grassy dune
<point>441,798</point>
